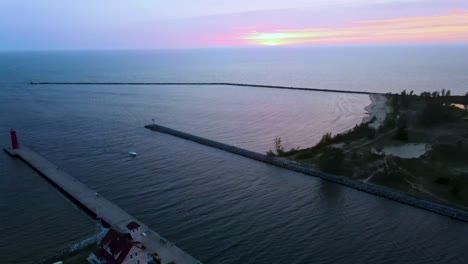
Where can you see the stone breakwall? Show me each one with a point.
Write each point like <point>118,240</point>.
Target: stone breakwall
<point>304,169</point>
<point>208,84</point>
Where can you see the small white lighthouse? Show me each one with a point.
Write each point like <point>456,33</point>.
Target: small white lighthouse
<point>134,229</point>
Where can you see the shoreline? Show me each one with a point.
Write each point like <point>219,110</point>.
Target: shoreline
<point>394,149</point>
<point>378,109</point>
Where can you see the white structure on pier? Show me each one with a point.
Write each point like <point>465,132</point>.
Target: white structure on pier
<point>120,248</point>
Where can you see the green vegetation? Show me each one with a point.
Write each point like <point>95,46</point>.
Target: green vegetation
<point>331,160</point>
<point>279,149</point>
<point>402,130</point>
<point>453,153</point>
<point>442,180</point>
<point>359,131</point>
<point>429,119</point>
<point>436,113</point>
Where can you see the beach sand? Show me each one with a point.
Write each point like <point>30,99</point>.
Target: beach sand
<point>377,108</point>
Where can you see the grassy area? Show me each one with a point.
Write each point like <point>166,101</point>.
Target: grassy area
<point>440,174</point>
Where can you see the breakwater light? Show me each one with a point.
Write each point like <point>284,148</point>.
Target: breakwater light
<point>14,139</point>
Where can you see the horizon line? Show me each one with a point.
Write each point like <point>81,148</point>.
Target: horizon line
<point>382,45</point>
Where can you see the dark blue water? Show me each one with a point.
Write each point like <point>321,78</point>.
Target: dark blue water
<point>219,207</point>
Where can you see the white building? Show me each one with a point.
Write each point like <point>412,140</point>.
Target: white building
<point>120,248</point>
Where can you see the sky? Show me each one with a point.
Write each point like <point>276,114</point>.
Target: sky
<point>154,24</point>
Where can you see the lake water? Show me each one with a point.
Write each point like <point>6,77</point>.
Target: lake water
<point>219,207</point>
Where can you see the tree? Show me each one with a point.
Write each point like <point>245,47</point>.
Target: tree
<point>326,139</point>
<point>402,131</point>
<point>436,111</point>
<point>389,122</point>
<point>395,103</point>
<point>278,146</point>
<point>371,133</point>
<point>442,180</point>
<point>402,134</point>
<point>331,160</point>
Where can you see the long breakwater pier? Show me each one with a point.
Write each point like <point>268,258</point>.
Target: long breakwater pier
<point>304,169</point>
<point>94,204</point>
<point>209,84</point>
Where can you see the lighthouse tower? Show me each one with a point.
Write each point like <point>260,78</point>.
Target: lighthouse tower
<point>134,230</point>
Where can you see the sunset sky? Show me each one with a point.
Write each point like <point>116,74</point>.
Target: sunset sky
<point>150,24</point>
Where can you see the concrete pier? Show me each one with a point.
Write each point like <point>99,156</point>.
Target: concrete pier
<point>99,206</point>
<point>304,169</point>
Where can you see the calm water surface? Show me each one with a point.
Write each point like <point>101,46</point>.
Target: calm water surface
<point>219,207</point>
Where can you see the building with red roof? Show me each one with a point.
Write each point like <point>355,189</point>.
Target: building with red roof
<point>120,248</point>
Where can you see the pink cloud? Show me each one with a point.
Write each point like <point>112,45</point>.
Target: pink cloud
<point>447,28</point>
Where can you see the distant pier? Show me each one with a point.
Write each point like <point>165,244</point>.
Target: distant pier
<point>304,169</point>
<point>209,84</point>
<point>100,207</point>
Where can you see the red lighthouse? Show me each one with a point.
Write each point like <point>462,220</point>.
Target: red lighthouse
<point>14,139</point>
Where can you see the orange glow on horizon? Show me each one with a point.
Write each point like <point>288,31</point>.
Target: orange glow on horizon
<point>452,27</point>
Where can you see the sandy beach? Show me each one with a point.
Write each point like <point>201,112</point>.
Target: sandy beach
<point>378,109</point>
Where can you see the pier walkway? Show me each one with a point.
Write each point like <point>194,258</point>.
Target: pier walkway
<point>110,213</point>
